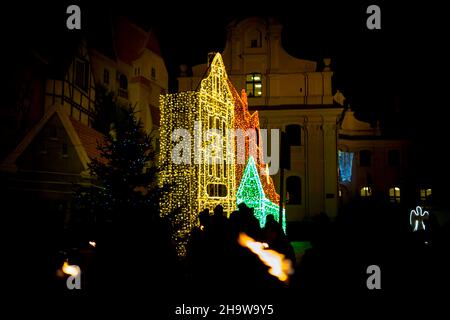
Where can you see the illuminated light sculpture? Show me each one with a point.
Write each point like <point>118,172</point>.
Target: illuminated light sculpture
<point>244,121</point>
<point>207,170</point>
<point>345,165</point>
<point>208,176</point>
<point>251,193</point>
<point>417,217</point>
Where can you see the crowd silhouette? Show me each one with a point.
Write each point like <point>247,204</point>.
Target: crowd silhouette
<point>216,262</point>
<point>136,256</point>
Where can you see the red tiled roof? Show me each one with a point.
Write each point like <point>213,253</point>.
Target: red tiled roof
<point>153,44</point>
<point>130,40</point>
<point>89,139</point>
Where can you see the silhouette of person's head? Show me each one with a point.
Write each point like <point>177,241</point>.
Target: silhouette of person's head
<point>243,207</point>
<point>204,217</point>
<point>270,218</point>
<point>218,211</point>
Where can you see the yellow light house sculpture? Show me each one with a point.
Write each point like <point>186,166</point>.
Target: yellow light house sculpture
<point>196,154</point>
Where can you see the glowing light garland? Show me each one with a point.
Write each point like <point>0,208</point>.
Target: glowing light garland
<point>244,121</point>
<point>208,179</point>
<point>251,193</point>
<point>345,165</point>
<point>211,173</point>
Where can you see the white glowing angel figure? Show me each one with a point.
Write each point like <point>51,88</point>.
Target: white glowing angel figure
<point>416,218</point>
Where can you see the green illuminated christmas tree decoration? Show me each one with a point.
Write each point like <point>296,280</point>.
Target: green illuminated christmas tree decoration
<point>251,192</point>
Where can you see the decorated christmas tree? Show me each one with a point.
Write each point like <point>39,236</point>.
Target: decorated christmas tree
<point>125,175</point>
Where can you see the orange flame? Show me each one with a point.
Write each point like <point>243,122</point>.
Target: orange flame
<point>280,267</point>
<point>72,270</point>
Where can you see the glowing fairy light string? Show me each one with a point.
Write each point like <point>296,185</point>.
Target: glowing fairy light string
<point>206,176</point>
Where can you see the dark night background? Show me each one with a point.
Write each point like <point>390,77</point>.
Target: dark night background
<point>396,74</point>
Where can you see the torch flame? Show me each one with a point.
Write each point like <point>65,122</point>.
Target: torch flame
<point>280,267</point>
<point>70,269</point>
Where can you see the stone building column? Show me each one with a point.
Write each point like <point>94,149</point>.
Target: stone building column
<point>330,178</point>
<point>314,174</point>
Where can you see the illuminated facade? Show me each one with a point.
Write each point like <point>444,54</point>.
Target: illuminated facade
<point>199,153</point>
<point>207,175</point>
<point>293,95</point>
<point>249,124</point>
<point>132,67</point>
<point>371,164</point>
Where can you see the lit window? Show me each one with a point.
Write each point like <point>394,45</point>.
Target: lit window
<point>366,192</point>
<point>254,85</point>
<point>425,195</point>
<point>106,76</point>
<point>394,194</point>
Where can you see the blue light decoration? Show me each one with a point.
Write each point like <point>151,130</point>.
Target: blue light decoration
<point>417,217</point>
<point>345,165</point>
<point>251,193</point>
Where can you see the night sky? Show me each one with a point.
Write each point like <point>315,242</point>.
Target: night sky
<point>394,74</point>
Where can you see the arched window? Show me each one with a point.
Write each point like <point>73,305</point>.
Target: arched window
<point>294,189</point>
<point>294,134</point>
<point>394,194</point>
